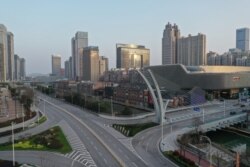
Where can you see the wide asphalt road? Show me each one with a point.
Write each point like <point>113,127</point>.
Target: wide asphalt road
<point>101,144</point>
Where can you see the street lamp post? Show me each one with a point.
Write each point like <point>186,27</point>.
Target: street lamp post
<point>13,142</point>
<point>224,108</point>
<point>112,112</point>
<point>210,154</point>
<point>162,117</point>
<point>16,116</point>
<point>23,116</point>
<point>44,107</point>
<point>84,100</point>
<point>99,106</point>
<point>71,98</point>
<point>203,114</point>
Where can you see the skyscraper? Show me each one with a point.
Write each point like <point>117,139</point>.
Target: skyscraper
<point>66,69</point>
<point>56,65</point>
<point>170,43</point>
<point>103,64</point>
<point>132,56</point>
<point>73,62</point>
<point>242,39</point>
<point>70,68</point>
<point>91,63</point>
<point>192,50</point>
<point>7,66</point>
<point>11,67</point>
<point>17,67</point>
<point>22,69</point>
<point>3,53</point>
<point>80,41</point>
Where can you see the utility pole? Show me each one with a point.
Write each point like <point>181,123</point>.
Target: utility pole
<point>44,107</point>
<point>13,143</point>
<point>111,106</point>
<point>224,108</point>
<point>99,106</point>
<point>15,106</point>
<point>23,116</point>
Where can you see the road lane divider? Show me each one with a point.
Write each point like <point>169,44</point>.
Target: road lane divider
<point>118,159</point>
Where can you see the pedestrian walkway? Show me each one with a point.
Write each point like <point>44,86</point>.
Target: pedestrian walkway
<point>126,141</point>
<point>191,156</point>
<point>169,142</point>
<point>79,153</point>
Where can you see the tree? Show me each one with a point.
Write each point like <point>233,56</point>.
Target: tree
<point>184,140</point>
<point>197,129</point>
<point>26,97</point>
<point>127,111</point>
<point>218,159</point>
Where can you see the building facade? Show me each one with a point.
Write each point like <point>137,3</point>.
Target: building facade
<point>80,42</point>
<point>73,62</point>
<point>103,65</point>
<point>66,68</point>
<point>11,67</point>
<point>192,50</point>
<point>242,39</point>
<point>17,67</point>
<point>132,56</point>
<point>3,53</point>
<point>22,69</point>
<point>170,38</point>
<point>70,68</point>
<point>91,63</point>
<point>56,65</point>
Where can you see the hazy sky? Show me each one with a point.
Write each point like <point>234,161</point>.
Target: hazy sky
<point>44,27</point>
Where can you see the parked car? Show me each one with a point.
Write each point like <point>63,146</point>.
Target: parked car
<point>242,105</point>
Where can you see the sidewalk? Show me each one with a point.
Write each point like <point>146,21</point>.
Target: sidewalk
<point>20,125</point>
<point>191,156</point>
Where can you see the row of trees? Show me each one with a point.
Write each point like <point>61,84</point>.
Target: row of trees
<point>24,94</point>
<point>47,90</point>
<point>88,102</point>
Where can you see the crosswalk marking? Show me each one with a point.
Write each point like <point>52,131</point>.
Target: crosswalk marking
<point>79,153</point>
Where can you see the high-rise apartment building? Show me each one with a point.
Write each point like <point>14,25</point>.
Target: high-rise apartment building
<point>66,69</point>
<point>132,56</point>
<point>56,65</point>
<point>17,67</point>
<point>91,63</point>
<point>11,67</point>
<point>170,38</point>
<point>73,62</point>
<point>22,69</point>
<point>192,50</point>
<point>77,43</point>
<point>3,53</point>
<point>7,66</point>
<point>103,65</point>
<point>70,68</point>
<point>242,39</point>
<point>189,50</point>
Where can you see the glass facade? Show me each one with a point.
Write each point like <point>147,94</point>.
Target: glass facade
<point>242,39</point>
<point>132,56</point>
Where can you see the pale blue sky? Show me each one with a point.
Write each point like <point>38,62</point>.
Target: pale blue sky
<point>44,27</point>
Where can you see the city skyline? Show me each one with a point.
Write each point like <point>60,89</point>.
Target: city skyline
<point>41,29</point>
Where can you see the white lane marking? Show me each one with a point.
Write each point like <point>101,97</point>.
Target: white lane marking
<point>147,147</point>
<point>105,161</point>
<point>134,164</point>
